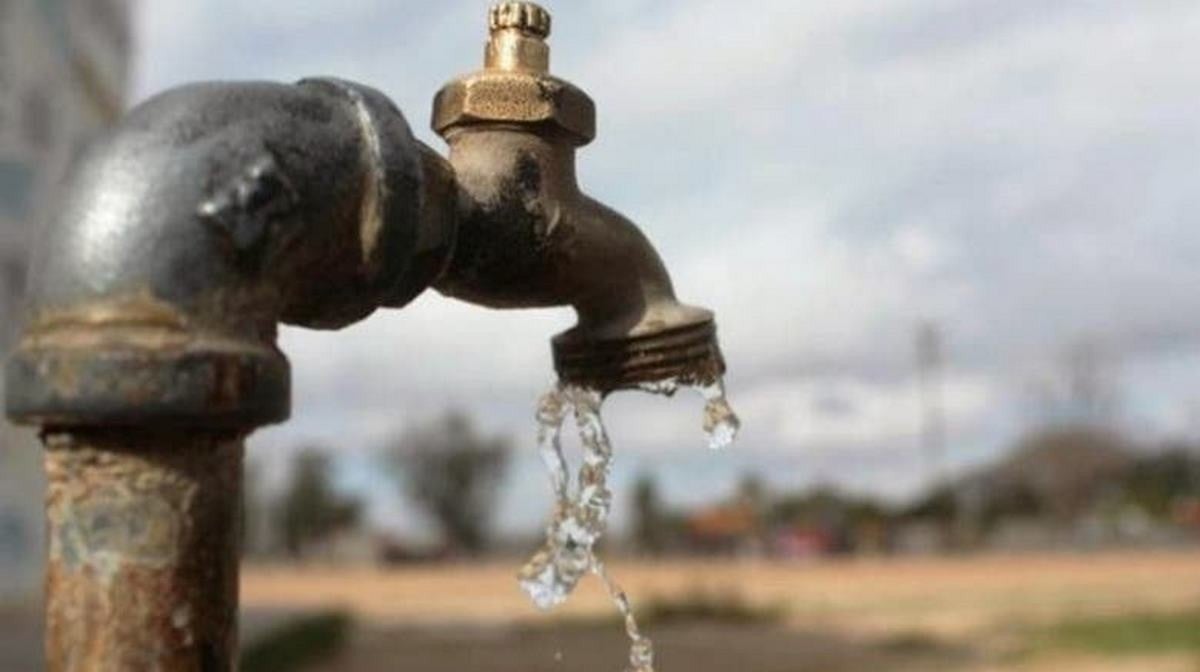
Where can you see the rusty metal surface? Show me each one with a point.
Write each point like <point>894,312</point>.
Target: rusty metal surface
<point>134,360</point>
<point>143,535</point>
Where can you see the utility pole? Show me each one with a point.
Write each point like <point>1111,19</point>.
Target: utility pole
<point>930,362</point>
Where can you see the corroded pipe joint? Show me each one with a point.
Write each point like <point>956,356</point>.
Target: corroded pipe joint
<point>210,214</point>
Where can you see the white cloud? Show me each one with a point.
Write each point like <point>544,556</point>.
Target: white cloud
<point>854,413</point>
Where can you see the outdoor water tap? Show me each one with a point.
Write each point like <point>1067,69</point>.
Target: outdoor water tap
<point>528,236</point>
<point>216,211</point>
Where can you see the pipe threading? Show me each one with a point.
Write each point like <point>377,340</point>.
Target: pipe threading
<point>687,354</point>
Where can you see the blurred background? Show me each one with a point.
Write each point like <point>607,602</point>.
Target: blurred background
<point>947,243</point>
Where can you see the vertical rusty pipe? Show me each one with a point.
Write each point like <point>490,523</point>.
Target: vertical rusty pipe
<point>143,532</point>
<point>184,236</point>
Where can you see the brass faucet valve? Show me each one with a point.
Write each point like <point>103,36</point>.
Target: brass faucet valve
<point>515,86</point>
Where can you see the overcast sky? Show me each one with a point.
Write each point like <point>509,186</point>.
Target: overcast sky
<point>825,175</point>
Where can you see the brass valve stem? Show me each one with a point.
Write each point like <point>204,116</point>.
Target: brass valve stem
<point>517,43</point>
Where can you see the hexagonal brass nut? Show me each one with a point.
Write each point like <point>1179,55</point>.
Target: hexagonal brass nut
<point>515,97</point>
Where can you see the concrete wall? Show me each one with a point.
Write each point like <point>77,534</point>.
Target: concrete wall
<point>63,66</point>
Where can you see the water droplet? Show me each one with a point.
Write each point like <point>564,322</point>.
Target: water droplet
<point>641,655</point>
<point>721,424</point>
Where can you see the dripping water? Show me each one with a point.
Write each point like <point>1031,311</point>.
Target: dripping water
<point>580,515</point>
<point>720,424</point>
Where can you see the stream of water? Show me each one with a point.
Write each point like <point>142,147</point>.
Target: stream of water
<point>580,514</point>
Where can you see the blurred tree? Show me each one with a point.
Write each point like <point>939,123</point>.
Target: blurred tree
<point>845,517</point>
<point>1011,501</point>
<point>1063,471</point>
<point>823,505</point>
<point>1156,483</point>
<point>650,524</point>
<point>939,505</point>
<point>453,475</point>
<point>311,510</point>
<point>755,496</point>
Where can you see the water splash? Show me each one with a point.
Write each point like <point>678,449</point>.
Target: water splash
<point>580,518</point>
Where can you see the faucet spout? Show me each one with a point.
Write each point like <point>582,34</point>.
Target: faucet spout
<point>530,237</point>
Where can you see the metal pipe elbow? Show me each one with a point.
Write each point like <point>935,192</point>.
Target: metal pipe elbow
<point>209,215</point>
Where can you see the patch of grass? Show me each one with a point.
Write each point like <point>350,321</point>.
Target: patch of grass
<point>298,643</point>
<point>1129,634</point>
<point>718,607</point>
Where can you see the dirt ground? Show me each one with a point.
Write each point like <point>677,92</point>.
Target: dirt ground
<point>968,613</point>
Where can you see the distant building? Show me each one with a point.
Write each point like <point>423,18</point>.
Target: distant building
<point>63,70</point>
